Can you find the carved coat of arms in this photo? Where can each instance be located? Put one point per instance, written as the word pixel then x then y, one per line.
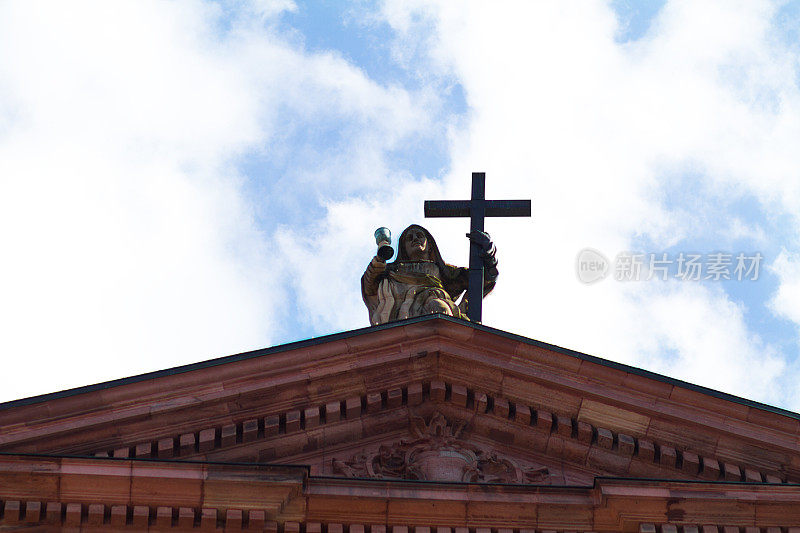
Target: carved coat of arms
pixel 436 453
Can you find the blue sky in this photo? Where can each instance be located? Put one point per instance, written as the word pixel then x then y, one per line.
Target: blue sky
pixel 186 180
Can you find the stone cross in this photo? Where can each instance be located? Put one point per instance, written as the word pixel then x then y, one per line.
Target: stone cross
pixel 476 209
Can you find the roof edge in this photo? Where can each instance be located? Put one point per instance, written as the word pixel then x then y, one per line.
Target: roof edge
pixel 314 341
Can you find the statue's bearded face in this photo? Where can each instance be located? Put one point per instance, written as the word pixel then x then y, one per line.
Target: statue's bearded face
pixel 416 244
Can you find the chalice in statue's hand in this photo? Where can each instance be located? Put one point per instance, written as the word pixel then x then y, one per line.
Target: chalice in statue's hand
pixel 383 238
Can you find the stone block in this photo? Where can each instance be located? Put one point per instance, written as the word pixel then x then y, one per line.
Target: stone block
pixel 585 433
pixel 311 417
pixel 626 444
pixel 333 412
pixel 438 391
pixel 73 514
pixel 121 453
pixel 293 421
pixel 647 451
pixel 544 420
pixel 119 515
pixel 140 517
pixel 711 469
pixel 374 402
pixel 95 514
pixel 458 395
pixel 394 398
pixel 53 512
pixel 751 475
pixel 732 472
pixel 564 426
pixel 233 519
pixel 256 519
pixel 352 408
pixel 186 517
pixel 11 511
pixel 691 463
pixel 272 426
pixel 186 442
pixel 523 415
pixel 228 435
pixel 143 450
pixel 250 430
pixel 208 519
pixel 667 456
pixel 605 439
pixel 501 407
pixel 33 512
pixel 414 396
pixel 166 448
pixel 164 517
pixel 205 440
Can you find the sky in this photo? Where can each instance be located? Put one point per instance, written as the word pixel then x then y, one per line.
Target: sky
pixel 185 180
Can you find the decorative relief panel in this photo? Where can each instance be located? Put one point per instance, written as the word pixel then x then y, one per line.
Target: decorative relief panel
pixel 435 452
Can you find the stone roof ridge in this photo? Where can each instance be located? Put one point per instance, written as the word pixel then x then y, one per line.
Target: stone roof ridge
pixel 349 340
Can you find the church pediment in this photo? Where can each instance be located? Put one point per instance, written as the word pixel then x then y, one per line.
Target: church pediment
pixel 488 440
pixel 535 406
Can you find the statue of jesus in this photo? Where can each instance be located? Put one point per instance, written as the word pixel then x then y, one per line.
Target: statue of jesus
pixel 419 282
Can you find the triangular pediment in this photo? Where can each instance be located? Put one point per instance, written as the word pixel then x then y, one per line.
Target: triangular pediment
pixel 325 402
pixel 518 445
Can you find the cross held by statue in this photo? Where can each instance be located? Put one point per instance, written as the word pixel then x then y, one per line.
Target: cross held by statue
pixel 477 208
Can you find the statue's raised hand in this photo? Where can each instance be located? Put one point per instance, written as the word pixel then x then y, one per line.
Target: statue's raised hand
pixel 482 239
pixel 488 251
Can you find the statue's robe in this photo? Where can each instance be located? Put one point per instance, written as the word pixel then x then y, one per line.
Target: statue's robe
pixel 407 288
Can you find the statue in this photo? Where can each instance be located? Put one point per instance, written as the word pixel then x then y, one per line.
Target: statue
pixel 419 282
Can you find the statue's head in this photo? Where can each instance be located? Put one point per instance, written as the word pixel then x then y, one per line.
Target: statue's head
pixel 416 244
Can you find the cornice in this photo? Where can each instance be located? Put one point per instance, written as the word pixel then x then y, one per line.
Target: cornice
pixel 105 494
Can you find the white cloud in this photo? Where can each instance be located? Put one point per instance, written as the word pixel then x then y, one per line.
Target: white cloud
pixel 129 242
pixel 786 301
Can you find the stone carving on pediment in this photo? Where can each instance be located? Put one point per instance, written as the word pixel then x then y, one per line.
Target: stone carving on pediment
pixel 435 452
